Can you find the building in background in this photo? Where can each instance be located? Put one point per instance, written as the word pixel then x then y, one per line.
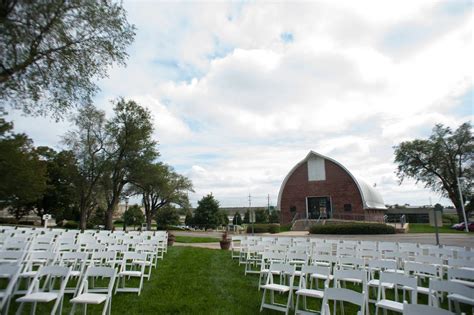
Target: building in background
pixel 319 187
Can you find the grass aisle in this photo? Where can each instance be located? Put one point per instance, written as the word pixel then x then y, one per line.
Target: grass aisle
pixel 194 281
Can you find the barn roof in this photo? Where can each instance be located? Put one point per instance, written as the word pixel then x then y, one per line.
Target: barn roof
pixel 371 199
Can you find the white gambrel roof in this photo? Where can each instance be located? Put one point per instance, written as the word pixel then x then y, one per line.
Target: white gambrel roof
pixel 371 199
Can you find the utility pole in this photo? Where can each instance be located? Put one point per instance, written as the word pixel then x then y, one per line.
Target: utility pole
pixel 268 203
pixel 250 211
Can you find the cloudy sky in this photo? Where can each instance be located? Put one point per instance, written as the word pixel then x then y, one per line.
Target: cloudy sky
pixel 242 91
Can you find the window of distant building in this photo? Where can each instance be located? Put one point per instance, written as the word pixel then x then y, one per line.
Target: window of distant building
pixel 348 207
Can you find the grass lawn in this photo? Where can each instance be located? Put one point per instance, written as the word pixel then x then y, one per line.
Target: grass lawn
pixel 192 239
pixel 192 281
pixel 426 228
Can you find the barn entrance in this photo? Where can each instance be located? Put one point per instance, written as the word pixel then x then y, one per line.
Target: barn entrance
pixel 318 207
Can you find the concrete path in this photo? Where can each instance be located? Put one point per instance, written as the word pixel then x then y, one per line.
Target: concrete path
pixel 455 239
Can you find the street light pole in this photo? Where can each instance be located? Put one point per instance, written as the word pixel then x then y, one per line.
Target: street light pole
pixel 466 228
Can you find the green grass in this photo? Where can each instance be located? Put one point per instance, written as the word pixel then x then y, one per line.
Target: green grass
pixel 193 281
pixel 192 239
pixel 426 228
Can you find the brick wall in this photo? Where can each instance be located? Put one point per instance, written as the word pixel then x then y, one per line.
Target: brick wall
pixel 338 185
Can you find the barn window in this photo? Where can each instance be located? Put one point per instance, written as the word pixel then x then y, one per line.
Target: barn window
pixel 348 207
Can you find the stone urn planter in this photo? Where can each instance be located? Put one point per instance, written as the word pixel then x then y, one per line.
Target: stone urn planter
pixel 225 242
pixel 171 239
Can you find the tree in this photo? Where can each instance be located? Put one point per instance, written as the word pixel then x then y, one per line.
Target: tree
pixel 439 161
pixel 53 52
pixel 224 219
pixel 247 217
pixel 129 147
pixel 274 216
pixel 188 220
pixel 261 216
pixel 160 186
pixel 87 143
pixel 59 198
pixel 22 175
pixel 167 216
pixel 133 216
pixel 207 213
pixel 237 220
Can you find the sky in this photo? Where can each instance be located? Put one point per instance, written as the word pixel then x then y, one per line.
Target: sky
pixel 241 91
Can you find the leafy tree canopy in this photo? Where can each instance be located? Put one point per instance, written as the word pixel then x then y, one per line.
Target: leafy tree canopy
pixel 237 220
pixel 133 216
pixel 51 52
pixel 207 213
pixel 439 160
pixel 167 216
pixel 22 174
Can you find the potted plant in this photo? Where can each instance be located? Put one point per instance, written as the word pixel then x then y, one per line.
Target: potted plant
pixel 225 241
pixel 171 238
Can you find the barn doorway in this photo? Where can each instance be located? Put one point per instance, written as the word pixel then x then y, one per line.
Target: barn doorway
pixel 318 208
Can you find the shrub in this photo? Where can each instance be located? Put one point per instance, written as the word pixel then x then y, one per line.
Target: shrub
pixel 119 221
pixel 71 225
pixel 450 219
pixel 352 228
pixel 264 228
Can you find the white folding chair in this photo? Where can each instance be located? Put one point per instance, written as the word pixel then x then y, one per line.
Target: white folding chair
pixel 417 309
pixel 76 261
pixel 133 266
pixel 282 271
pixel 269 258
pixel 8 272
pixel 462 275
pixel 398 280
pixel 343 295
pixel 33 262
pixel 43 293
pixel 85 294
pixel 456 292
pixel 305 289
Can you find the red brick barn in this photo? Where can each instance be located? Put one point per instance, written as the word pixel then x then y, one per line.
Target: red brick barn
pixel 319 187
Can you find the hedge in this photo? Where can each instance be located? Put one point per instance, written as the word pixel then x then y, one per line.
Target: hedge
pixel 264 228
pixel 71 225
pixel 352 228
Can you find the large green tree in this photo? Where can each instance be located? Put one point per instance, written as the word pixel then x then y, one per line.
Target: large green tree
pixel 439 160
pixel 160 186
pixel 22 174
pixel 207 214
pixel 53 52
pixel 167 216
pixel 129 148
pixel 87 142
pixel 60 196
pixel 133 216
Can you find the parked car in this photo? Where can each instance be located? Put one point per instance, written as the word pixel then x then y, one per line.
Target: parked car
pixel 461 226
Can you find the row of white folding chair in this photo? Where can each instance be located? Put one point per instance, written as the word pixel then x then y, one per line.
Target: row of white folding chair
pixel 44 292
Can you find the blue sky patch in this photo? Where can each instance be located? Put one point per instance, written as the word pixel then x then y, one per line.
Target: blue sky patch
pixel 287 37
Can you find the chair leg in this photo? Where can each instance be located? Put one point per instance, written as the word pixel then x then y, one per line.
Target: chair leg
pixel 73 309
pixel 263 299
pixel 33 309
pixel 20 308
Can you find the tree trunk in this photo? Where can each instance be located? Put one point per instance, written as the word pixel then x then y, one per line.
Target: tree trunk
pixel 148 222
pixel 109 215
pixel 83 220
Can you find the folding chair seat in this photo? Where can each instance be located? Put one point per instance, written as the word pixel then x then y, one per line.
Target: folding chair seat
pixel 416 309
pixel 235 246
pixel 305 288
pixel 323 260
pixel 149 262
pixel 422 271
pixel 462 276
pixel 43 293
pixel 9 273
pixel 399 281
pixel 282 271
pixel 343 295
pixel 378 266
pixel 350 263
pixel 105 259
pixel 456 293
pixel 254 258
pixel 33 262
pixel 131 268
pixel 86 293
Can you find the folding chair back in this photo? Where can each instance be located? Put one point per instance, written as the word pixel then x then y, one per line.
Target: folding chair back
pixel 343 295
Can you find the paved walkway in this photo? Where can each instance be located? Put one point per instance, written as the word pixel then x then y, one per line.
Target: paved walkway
pixel 423 238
